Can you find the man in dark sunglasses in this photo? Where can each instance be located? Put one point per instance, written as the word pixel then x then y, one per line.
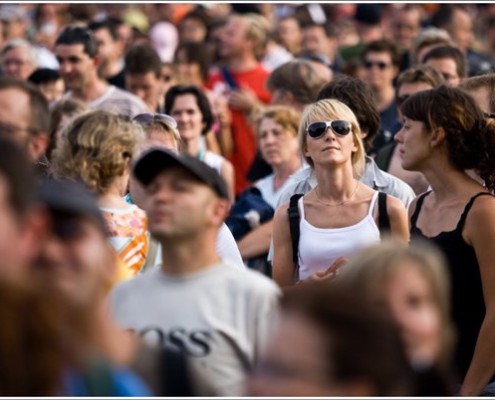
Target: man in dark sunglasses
pixel 380 61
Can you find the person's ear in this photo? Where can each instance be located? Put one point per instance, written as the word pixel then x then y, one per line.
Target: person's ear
pixel 437 136
pixel 38 145
pixel 96 61
pixel 220 211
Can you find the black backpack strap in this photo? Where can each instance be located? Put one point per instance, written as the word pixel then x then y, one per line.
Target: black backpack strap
pixel 294 219
pixel 383 219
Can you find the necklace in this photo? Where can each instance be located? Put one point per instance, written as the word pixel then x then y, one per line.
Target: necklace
pixel 340 203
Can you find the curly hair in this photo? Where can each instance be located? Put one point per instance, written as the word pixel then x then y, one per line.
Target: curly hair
pixel 97 149
pixel 469 136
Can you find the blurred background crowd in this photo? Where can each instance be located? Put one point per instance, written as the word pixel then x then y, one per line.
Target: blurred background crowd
pixel 222 199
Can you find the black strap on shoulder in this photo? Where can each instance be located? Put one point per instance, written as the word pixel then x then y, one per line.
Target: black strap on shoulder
pixel 294 219
pixel 383 218
pixel 462 220
pixel 419 204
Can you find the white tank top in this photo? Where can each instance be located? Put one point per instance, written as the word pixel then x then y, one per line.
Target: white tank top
pixel 320 247
pixel 214 160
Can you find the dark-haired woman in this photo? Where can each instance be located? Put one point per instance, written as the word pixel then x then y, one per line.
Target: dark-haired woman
pixel 190 107
pixel 444 134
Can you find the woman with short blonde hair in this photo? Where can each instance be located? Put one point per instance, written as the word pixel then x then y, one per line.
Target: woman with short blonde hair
pixel 338 216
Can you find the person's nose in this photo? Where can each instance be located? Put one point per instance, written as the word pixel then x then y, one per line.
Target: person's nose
pixel 399 136
pixel 64 67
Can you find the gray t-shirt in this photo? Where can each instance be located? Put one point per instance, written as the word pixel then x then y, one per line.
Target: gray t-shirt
pixel 219 317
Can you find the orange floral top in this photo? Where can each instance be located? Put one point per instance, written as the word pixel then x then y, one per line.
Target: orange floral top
pixel 128 235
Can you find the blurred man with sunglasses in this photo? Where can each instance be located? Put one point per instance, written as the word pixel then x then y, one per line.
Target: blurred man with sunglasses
pixel 380 61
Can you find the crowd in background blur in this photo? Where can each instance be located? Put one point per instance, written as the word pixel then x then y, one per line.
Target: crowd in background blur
pixel 246 199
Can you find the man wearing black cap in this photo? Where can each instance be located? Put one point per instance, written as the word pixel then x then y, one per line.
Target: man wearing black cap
pixel 75 256
pixel 196 303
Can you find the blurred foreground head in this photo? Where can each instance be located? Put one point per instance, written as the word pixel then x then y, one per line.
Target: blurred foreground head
pixel 330 343
pixel 19 224
pixel 75 257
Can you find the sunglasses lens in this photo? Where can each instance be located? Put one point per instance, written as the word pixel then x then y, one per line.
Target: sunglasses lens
pixel 316 129
pixel 341 128
pixel 143 119
pixel 167 119
pixel 147 119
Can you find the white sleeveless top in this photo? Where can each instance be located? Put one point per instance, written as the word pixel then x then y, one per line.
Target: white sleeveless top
pixel 214 160
pixel 320 247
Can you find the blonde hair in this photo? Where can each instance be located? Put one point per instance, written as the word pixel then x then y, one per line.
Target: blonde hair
pixel 96 148
pixel 285 116
pixel 257 30
pixel 164 129
pixel 369 270
pixel 331 109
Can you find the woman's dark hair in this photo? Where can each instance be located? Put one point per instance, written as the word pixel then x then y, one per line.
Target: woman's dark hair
pixel 470 137
pixel 359 97
pixel 201 100
pixel 196 53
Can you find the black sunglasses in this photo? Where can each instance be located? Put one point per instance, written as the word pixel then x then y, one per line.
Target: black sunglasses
pixel 148 118
pixel 318 129
pixel 380 64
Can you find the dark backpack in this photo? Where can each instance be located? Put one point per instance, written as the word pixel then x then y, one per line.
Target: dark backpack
pixel 294 219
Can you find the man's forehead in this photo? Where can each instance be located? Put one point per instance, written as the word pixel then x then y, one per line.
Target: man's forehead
pixel 379 54
pixel 18 50
pixel 75 49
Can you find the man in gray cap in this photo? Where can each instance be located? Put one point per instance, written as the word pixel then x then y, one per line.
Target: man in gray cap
pixel 217 315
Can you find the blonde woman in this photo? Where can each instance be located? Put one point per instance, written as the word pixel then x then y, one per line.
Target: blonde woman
pixel 97 149
pixel 340 215
pixel 276 131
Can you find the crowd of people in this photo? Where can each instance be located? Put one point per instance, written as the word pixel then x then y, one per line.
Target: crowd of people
pixel 247 199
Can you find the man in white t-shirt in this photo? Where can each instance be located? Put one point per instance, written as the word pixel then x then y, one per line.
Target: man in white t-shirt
pixel 219 316
pixel 76 50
